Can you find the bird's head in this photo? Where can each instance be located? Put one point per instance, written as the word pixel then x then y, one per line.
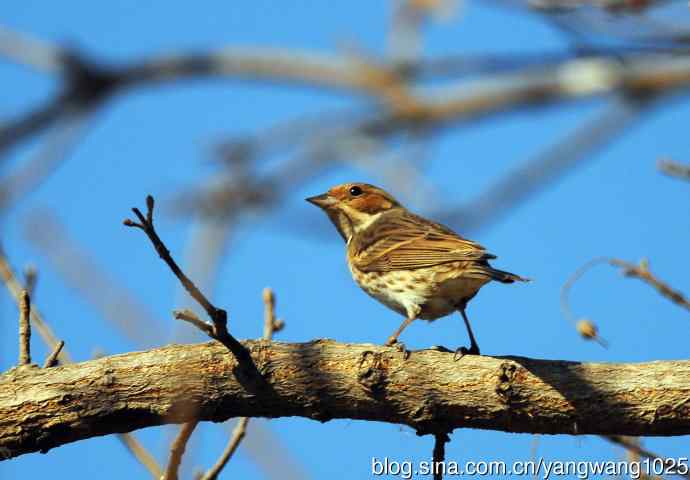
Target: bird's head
pixel 352 207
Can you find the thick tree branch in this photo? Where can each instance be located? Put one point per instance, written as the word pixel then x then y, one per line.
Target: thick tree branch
pixel 41 409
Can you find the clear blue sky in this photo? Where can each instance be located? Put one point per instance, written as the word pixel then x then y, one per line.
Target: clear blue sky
pixel 154 141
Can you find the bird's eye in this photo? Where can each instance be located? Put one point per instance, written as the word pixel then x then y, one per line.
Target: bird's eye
pixel 354 191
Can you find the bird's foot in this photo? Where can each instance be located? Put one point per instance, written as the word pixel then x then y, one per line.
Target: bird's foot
pixel 462 351
pixel 393 342
pixel 442 349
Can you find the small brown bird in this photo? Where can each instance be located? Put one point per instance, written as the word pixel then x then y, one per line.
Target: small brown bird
pixel 419 268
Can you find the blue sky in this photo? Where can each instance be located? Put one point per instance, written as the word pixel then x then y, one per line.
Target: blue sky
pixel 156 141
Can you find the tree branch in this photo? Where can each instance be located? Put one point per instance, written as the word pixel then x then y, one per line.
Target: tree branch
pixel 177 450
pixel 238 434
pixel 52 359
pixel 674 169
pixel 218 316
pixel 24 328
pixel 323 380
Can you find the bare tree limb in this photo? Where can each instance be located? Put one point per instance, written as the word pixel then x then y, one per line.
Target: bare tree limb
pixel 86 84
pixel 324 380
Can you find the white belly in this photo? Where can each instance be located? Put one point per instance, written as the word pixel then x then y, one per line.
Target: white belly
pixel 420 293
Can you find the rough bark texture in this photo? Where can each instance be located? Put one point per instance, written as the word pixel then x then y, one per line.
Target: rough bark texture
pixel 322 380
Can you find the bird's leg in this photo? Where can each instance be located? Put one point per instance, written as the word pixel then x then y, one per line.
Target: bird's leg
pixel 474 348
pixel 393 339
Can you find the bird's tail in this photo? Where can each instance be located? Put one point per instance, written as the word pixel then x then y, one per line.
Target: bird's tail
pixel 506 277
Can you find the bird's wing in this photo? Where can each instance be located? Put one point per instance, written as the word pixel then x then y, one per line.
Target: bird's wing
pixel 409 242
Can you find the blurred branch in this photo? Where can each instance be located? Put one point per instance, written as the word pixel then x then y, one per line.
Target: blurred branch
pixel 633 6
pixel 177 450
pixel 234 442
pixel 116 303
pixel 30 51
pixel 87 84
pixel 586 327
pixel 61 140
pixel 559 158
pixel 674 169
pixel 324 380
pixel 642 272
pixel 140 453
pixel 630 445
pixel 30 279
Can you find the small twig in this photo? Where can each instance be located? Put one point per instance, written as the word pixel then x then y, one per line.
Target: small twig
pixel 30 279
pixel 177 450
pixel 218 316
pixel 439 455
pixel 234 442
pixel 141 454
pixel 24 328
pixel 635 448
pixel 52 359
pixel 674 169
pixel 14 286
pixel 271 324
pixel 642 272
pixel 585 327
pixel 187 315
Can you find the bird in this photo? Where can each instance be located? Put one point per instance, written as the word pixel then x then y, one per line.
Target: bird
pixel 418 268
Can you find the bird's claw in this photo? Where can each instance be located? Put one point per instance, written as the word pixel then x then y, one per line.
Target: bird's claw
pixel 392 342
pixel 401 348
pixel 462 351
pixel 442 349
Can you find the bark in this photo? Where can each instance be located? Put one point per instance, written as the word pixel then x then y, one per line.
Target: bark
pixel 43 408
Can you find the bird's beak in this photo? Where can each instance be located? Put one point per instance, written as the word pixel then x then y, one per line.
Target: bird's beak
pixel 322 201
